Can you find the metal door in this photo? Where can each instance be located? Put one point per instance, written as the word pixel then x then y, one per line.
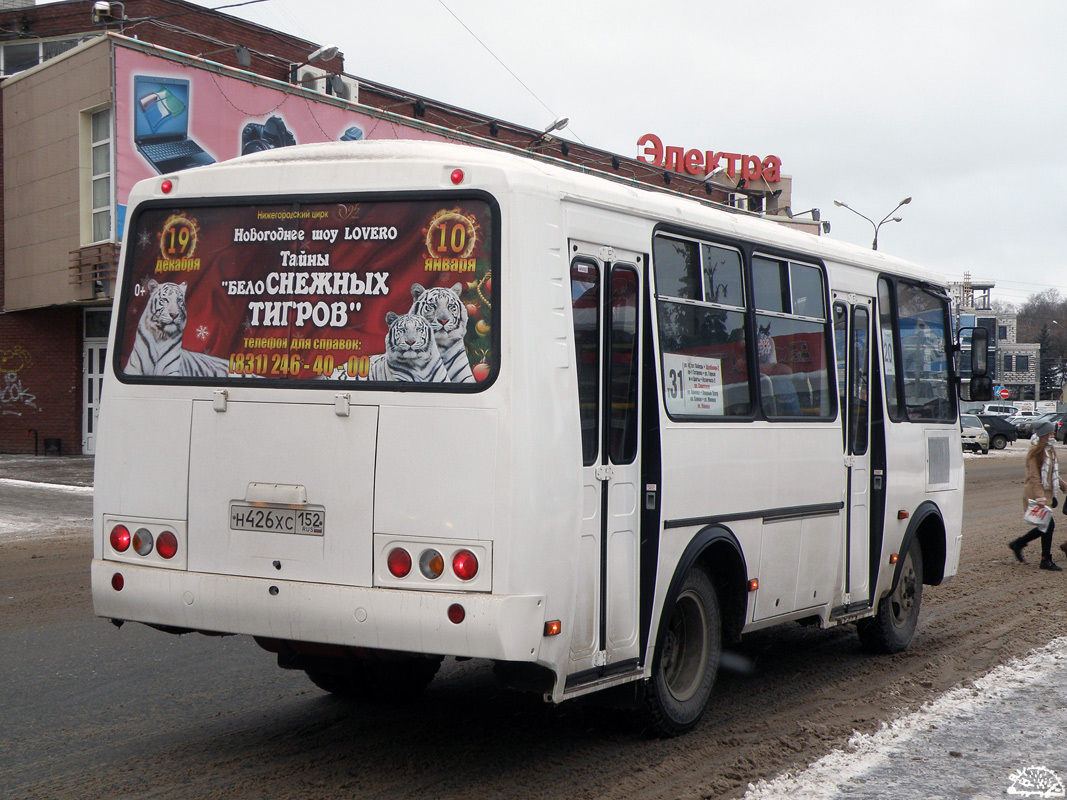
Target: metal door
pixel 606 301
pixel 852 334
pixel 94 358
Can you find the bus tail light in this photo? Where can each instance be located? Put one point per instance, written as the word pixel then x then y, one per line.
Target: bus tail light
pixel 431 564
pixel 167 544
pixel 143 541
pixel 146 542
pixel 399 562
pixel 120 538
pixel 465 565
pixel 456 613
pixel 117 581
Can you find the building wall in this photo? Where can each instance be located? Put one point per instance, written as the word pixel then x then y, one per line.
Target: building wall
pixel 40 379
pixel 176 24
pixel 43 175
pixel 1023 381
pixel 41 347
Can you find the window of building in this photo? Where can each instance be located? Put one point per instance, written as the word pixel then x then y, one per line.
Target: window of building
pixel 1007 363
pixel 18 56
pixel 1022 363
pixel 1002 332
pixel 101 175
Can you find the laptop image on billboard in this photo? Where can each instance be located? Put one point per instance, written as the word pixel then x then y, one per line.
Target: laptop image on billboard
pixel 161 124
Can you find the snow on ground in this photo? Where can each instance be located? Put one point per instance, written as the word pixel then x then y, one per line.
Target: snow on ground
pixel 1000 735
pixel 31 508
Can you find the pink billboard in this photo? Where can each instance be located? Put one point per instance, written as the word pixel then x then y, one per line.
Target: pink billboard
pixel 171 116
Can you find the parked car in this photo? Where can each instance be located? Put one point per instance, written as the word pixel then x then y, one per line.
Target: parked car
pixel 973 434
pixel 1025 424
pixel 1061 429
pixel 1000 409
pixel 999 429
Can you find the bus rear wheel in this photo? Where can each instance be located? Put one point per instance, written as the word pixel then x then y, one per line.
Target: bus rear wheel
pixel 892 628
pixel 685 668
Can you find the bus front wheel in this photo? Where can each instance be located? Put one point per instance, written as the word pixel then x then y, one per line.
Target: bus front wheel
pixel 891 629
pixel 678 691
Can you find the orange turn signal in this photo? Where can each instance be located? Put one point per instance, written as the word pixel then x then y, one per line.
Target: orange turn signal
pixel 553 627
pixel 753 584
pixel 893 558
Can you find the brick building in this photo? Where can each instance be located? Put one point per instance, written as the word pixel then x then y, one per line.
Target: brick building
pixel 85 85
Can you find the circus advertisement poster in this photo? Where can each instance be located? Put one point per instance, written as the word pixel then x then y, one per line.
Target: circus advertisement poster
pixel 385 292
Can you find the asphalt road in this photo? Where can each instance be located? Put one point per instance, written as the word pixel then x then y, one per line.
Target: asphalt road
pixel 88 710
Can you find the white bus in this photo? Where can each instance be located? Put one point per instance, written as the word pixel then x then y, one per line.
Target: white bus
pixel 375 404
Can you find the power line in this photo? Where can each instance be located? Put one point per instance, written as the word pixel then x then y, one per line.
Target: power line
pixel 505 66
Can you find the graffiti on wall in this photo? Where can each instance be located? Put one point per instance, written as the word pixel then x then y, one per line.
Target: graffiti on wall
pixel 14 397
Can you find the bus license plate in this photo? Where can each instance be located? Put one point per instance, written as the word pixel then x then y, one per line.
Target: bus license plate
pixel 309 521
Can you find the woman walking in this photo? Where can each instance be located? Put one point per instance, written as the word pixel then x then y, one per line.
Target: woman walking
pixel 1042 481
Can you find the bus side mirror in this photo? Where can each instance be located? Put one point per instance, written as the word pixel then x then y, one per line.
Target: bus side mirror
pixel 981 388
pixel 981 385
pixel 979 352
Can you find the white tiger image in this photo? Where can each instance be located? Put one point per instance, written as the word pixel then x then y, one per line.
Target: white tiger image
pixel 411 353
pixel 158 350
pixel 447 315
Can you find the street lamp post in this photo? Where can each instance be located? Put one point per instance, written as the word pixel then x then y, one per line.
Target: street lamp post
pixel 877 225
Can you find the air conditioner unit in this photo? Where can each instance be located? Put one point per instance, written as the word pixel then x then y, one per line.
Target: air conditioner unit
pixel 329 83
pixel 343 88
pixel 313 78
pixel 738 201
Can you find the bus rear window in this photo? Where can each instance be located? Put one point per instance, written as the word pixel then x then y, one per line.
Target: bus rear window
pixel 388 293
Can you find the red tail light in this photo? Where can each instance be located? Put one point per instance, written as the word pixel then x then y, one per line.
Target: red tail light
pixel 456 613
pixel 167 544
pixel 117 581
pixel 465 565
pixel 399 562
pixel 120 538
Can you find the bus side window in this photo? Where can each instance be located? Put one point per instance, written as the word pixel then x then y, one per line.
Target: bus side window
pixel 701 319
pixel 791 329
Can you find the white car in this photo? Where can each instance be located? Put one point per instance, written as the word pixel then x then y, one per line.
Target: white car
pixel 1000 409
pixel 973 434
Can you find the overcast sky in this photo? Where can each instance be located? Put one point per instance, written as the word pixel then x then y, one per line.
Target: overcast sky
pixel 959 104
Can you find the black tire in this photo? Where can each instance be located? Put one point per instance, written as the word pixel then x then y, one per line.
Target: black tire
pixel 891 629
pixel 393 681
pixel 985 451
pixel 685 668
pixel 999 442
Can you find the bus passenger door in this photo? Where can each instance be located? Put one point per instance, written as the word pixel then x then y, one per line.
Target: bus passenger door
pixel 852 335
pixel 606 297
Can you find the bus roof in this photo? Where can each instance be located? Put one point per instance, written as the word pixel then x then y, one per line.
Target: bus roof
pixel 582 184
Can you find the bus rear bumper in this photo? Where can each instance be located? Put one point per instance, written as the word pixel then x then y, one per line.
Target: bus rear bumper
pixel 504 627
